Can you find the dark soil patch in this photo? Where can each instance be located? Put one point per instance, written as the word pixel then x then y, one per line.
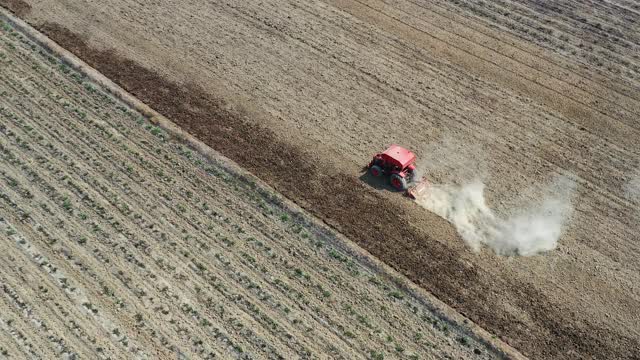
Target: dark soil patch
pixel 18 7
pixel 360 213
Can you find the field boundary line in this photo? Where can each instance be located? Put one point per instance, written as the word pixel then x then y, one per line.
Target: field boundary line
pixel 337 239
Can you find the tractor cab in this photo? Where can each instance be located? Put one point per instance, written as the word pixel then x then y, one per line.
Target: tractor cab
pixel 396 162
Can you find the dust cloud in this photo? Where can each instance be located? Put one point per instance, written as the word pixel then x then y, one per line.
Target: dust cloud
pixel 632 188
pixel 531 228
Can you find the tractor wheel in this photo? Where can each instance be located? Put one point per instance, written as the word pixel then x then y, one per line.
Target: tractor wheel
pixel 398 182
pixel 375 170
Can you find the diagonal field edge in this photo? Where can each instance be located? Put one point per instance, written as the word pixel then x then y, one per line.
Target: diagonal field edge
pixel 338 239
pixel 341 200
pixel 431 259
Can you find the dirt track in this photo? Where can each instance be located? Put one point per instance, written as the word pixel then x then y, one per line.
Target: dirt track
pixel 344 78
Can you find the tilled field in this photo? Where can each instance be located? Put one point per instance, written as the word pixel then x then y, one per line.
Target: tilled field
pixel 302 93
pixel 118 242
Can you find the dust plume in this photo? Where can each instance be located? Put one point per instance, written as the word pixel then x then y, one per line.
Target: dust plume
pixel 531 228
pixel 632 188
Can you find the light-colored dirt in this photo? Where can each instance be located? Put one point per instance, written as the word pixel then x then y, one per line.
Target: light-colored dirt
pixel 346 77
pixel 120 242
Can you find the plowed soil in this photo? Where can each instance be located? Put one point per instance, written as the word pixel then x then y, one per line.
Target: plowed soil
pixel 120 242
pixel 302 94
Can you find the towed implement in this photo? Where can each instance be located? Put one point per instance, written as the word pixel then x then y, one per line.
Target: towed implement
pixel 399 164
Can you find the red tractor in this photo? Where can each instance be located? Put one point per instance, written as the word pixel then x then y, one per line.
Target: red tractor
pixel 399 164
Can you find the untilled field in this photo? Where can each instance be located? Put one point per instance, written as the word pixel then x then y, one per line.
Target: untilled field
pixel 118 242
pixel 302 93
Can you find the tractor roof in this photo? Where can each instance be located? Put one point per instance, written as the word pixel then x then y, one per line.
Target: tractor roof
pixel 399 156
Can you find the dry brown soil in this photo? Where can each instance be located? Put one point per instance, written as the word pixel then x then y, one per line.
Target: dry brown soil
pixel 118 242
pixel 302 93
pixel 17 7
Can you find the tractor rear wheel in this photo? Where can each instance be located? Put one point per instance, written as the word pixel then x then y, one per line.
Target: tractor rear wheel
pixel 375 170
pixel 398 182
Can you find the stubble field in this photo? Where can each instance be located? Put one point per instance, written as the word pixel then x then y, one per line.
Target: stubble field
pixel 119 241
pixel 301 94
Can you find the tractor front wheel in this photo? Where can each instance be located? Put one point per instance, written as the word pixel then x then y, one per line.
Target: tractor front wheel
pixel 375 170
pixel 398 182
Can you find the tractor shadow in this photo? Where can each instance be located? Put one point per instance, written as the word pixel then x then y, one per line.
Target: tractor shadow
pixel 378 183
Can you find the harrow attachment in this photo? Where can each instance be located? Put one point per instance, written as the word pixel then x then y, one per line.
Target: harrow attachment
pixel 418 189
